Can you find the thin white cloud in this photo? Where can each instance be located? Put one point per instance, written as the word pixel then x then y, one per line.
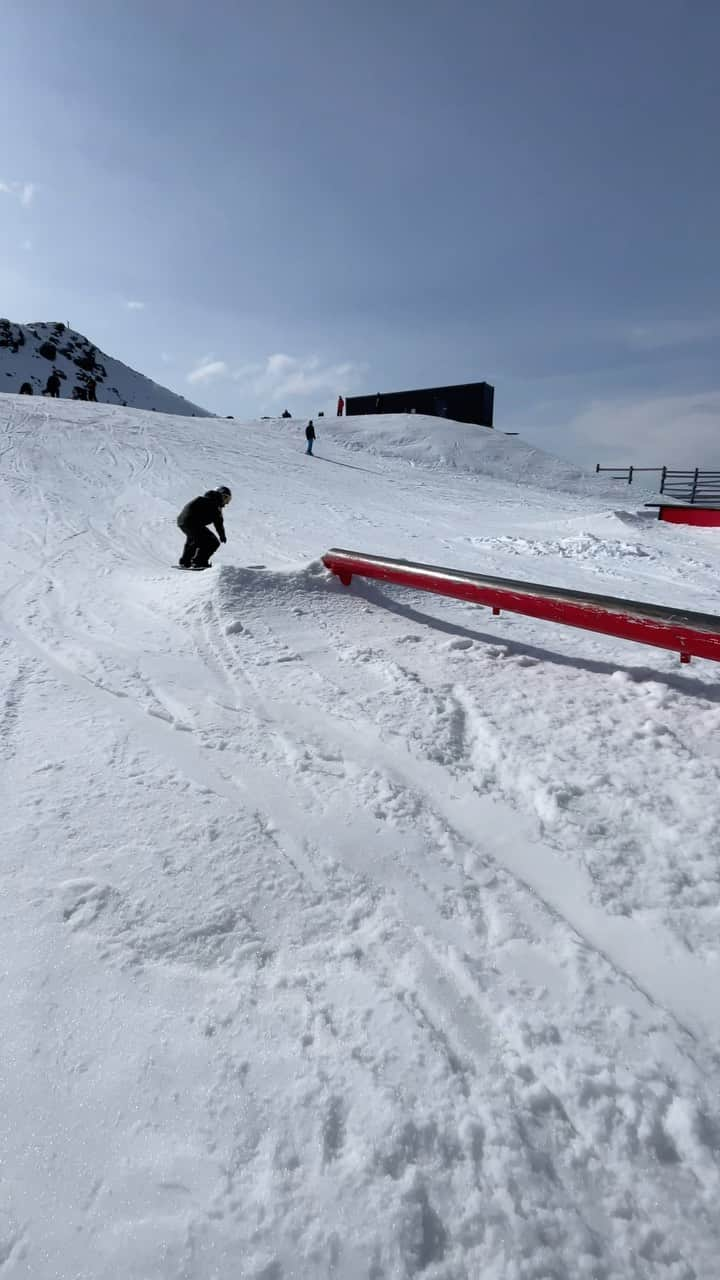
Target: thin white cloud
pixel 135 306
pixel 23 191
pixel 283 376
pixel 654 335
pixel 672 430
pixel 207 369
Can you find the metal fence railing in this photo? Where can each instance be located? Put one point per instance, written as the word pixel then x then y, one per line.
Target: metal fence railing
pixel 694 486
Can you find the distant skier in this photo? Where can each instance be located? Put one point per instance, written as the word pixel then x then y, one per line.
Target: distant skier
pixel 200 543
pixel 26 389
pixel 310 437
pixel 286 414
pixel 340 406
pixel 52 386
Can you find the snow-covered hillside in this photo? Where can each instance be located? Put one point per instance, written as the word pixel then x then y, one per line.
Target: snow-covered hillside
pixel 31 353
pixel 346 933
pixel 443 445
pixel 458 446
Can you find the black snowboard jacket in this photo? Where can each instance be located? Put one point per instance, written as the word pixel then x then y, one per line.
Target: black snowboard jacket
pixel 309 431
pixel 203 511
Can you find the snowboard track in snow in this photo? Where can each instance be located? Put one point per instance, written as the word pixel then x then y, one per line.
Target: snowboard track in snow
pixel 335 950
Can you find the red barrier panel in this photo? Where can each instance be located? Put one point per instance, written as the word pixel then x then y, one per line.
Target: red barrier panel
pixel 690 634
pixel 709 517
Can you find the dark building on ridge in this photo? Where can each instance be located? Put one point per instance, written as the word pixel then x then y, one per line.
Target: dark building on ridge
pixel 469 402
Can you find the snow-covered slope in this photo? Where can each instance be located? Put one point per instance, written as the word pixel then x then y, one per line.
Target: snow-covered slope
pixel 346 933
pixel 459 446
pixel 443 445
pixel 31 353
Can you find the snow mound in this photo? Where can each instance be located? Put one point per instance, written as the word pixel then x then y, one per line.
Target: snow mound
pixel 31 353
pixel 579 546
pixel 461 447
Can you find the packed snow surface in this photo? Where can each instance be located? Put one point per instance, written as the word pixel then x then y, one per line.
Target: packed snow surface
pixel 347 933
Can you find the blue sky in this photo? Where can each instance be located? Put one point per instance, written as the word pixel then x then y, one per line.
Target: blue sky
pixel 303 198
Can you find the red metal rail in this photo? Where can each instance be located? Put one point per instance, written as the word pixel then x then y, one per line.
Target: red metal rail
pixel 690 634
pixel 699 514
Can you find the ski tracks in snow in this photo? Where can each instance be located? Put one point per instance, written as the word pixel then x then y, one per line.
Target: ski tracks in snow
pixel 403 771
pixel 336 964
pixel 473 906
pixel 415 949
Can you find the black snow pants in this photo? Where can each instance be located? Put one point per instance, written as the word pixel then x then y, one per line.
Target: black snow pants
pixel 200 545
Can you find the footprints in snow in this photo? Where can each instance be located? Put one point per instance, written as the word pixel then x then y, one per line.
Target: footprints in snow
pixel 211 935
pixel 333 1131
pixel 10 710
pixel 82 901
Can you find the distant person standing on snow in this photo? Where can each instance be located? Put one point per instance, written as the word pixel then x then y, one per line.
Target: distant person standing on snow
pixel 52 386
pixel 26 389
pixel 92 390
pixel 200 543
pixel 309 436
pixel 340 407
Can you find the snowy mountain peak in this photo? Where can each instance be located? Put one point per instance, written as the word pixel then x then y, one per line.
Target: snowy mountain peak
pixel 49 358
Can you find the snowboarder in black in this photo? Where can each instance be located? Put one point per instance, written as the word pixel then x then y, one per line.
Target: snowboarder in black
pixel 194 518
pixel 309 436
pixel 52 386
